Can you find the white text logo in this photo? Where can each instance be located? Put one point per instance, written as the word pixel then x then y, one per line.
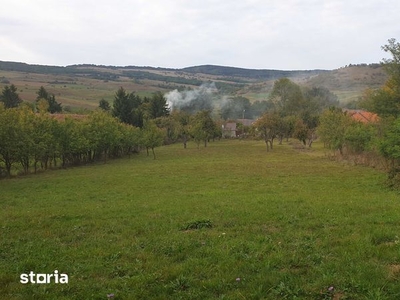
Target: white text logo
pixel 43 278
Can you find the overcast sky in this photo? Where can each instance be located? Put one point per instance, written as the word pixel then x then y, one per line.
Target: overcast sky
pixel 258 34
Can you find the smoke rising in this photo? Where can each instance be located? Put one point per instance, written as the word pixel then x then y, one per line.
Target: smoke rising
pixel 207 97
pixel 203 97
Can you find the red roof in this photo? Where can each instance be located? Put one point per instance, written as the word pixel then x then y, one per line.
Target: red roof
pixel 362 116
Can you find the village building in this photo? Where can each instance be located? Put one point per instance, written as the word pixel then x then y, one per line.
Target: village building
pixel 362 116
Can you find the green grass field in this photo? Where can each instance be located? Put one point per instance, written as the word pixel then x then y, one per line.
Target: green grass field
pixel 229 221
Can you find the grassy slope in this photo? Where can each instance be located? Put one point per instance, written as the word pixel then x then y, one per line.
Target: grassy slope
pixel 286 223
pixel 79 93
pixel 347 83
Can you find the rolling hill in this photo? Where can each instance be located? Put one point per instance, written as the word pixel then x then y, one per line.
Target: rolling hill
pixel 82 86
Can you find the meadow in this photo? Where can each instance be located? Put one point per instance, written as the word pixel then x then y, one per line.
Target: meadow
pixel 230 221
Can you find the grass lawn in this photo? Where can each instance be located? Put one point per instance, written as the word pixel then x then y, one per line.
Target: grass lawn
pixel 229 221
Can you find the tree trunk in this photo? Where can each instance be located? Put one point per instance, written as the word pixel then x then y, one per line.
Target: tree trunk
pixel 184 141
pixel 8 164
pixel 154 154
pixel 267 144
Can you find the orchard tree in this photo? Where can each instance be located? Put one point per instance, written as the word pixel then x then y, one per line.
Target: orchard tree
pixel 10 97
pixel 152 137
pixel 10 132
pixel 182 121
pixel 103 133
pixel 26 148
pixel 202 127
pixel 130 138
pixel 268 126
pixel 44 140
pixel 72 141
pixel 332 128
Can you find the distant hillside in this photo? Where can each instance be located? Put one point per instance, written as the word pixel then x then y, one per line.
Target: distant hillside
pixel 350 82
pixel 84 85
pixel 351 77
pixel 250 73
pixel 96 71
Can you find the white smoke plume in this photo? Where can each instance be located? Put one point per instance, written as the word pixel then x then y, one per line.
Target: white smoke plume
pixel 207 97
pixel 196 99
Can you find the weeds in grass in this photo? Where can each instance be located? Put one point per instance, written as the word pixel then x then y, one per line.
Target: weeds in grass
pixel 199 224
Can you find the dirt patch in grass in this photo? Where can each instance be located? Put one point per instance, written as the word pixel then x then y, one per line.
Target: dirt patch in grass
pixel 394 270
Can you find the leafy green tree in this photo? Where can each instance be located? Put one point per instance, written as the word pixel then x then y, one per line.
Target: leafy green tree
pixel 44 140
pixel 268 126
pixel 25 150
pixel 392 65
pixel 72 141
pixel 358 137
pixel 10 97
pixel 386 100
pixel 182 127
pixel 104 133
pixel 389 148
pixel 287 97
pixel 202 127
pixel 152 137
pixel 301 131
pixel 130 138
pixel 332 128
pixel 10 131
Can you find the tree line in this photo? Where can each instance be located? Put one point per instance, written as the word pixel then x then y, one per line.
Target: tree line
pixel 307 114
pixel 34 137
pixel 371 141
pixel 293 111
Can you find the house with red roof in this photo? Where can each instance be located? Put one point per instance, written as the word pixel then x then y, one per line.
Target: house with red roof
pixel 362 115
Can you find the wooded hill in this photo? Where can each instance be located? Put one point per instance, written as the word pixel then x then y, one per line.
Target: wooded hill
pixel 83 86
